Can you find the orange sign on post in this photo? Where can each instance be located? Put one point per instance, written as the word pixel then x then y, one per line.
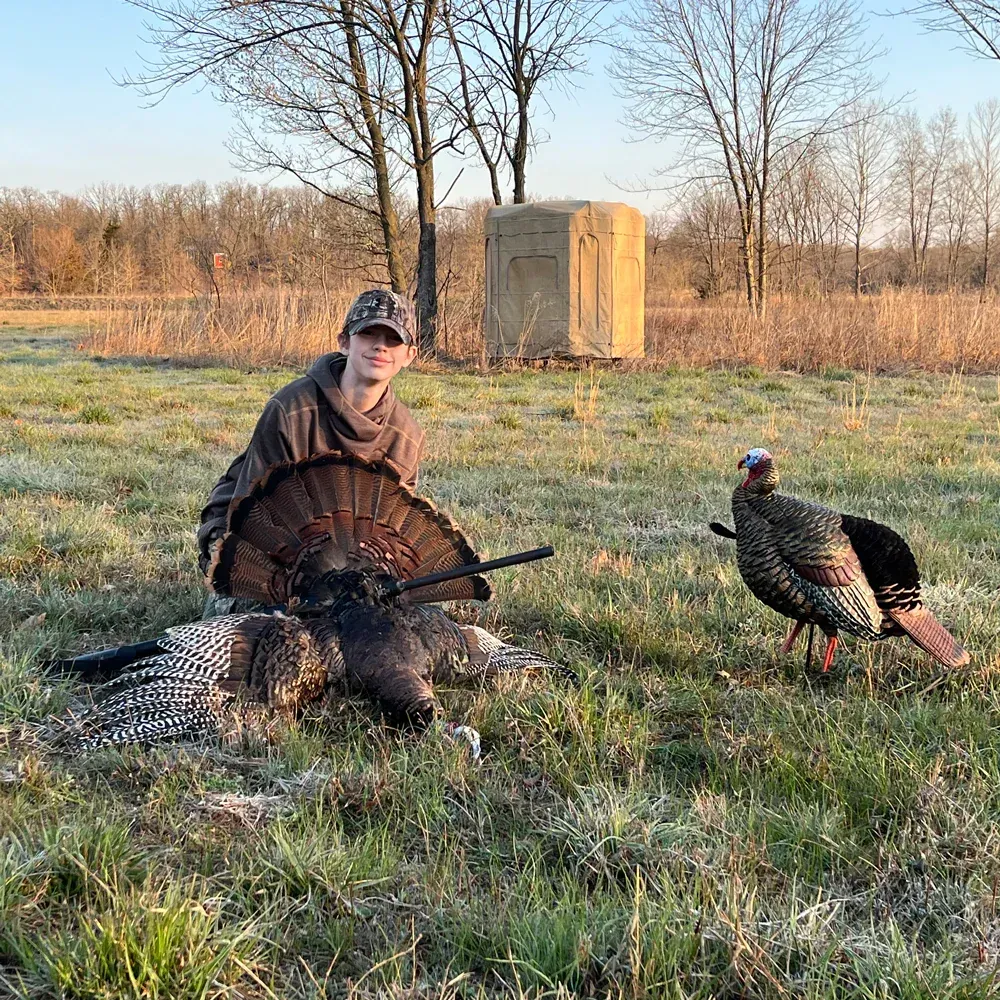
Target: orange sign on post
pixel 220 261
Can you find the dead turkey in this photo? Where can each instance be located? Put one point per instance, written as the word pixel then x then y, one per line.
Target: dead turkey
pixel 820 567
pixel 337 552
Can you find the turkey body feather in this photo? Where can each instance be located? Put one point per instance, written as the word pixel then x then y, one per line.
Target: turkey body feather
pixel 795 558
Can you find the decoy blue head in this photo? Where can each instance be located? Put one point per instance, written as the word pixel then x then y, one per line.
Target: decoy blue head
pixel 754 456
pixel 757 461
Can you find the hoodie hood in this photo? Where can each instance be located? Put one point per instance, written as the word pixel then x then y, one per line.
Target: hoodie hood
pixel 326 372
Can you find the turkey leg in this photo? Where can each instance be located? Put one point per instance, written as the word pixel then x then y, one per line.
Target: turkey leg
pixel 831 645
pixel 786 646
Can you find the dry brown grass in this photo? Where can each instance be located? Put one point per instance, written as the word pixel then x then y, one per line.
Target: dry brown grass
pixel 272 327
pixel 33 319
pixel 894 331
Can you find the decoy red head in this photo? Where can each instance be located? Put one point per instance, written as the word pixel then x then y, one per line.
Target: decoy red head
pixel 756 461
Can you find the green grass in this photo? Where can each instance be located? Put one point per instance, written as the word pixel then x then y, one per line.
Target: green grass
pixel 699 820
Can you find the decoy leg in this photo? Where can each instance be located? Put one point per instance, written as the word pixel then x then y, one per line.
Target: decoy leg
pixel 809 648
pixel 831 646
pixel 786 646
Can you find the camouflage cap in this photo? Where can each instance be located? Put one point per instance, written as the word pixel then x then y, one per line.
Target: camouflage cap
pixel 380 307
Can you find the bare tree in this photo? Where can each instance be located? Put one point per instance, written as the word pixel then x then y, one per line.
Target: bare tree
pixel 864 166
pixel 711 231
pixel 356 85
pixel 808 210
pixel 803 225
pixel 975 22
pixel 407 32
pixel 507 53
pixel 984 159
pixel 956 211
pixel 921 159
pixel 740 83
pixel 295 71
pixel 10 225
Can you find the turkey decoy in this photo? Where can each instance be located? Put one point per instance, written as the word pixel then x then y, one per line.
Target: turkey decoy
pixel 820 567
pixel 347 563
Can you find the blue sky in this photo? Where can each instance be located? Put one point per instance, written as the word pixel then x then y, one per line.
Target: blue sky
pixel 65 124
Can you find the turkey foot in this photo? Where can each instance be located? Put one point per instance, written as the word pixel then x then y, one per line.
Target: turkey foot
pixel 454 731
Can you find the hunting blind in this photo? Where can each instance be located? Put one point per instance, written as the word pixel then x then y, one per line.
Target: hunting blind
pixel 565 279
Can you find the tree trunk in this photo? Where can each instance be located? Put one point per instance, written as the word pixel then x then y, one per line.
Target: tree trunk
pixel 388 219
pixel 746 262
pixel 427 303
pixel 413 64
pixel 427 259
pixel 857 265
pixel 986 259
pixel 520 157
pixel 390 230
pixel 761 305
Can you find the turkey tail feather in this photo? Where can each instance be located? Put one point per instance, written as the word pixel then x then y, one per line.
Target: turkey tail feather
pixel 931 636
pixel 240 569
pixel 332 512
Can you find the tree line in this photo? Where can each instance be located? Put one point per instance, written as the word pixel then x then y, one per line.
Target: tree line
pixel 892 200
pixel 889 200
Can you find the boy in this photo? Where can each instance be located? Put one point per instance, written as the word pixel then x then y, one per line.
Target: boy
pixel 343 403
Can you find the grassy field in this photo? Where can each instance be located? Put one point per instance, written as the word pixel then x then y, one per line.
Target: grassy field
pixel 699 820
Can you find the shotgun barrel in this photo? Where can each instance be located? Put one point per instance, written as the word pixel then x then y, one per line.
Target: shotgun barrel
pixel 105 661
pixel 472 569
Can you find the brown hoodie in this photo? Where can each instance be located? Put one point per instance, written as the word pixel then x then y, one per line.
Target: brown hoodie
pixel 307 416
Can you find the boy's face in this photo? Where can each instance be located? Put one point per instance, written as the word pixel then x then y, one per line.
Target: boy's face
pixel 376 354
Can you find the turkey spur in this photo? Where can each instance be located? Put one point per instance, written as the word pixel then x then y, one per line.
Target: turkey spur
pixel 329 545
pixel 820 567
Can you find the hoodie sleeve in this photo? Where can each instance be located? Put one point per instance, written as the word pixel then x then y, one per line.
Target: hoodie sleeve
pixel 270 443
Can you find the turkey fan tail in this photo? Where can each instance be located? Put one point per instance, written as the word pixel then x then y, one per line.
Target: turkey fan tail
pixel 490 656
pixel 931 636
pixel 332 512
